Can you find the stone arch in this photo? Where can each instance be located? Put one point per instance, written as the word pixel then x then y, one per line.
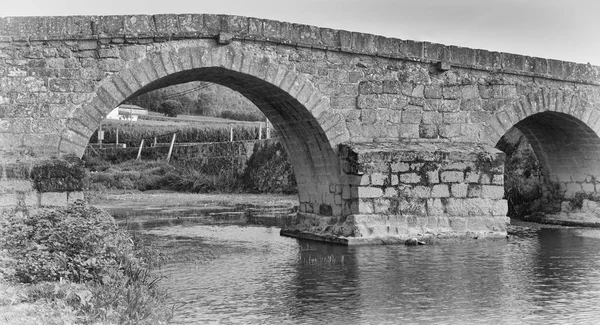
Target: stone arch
pixel 562 128
pixel 302 115
pixel 576 104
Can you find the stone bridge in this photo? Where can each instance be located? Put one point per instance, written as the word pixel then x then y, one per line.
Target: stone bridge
pixel 389 138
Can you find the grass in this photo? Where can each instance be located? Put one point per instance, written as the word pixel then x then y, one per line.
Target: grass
pixel 45 279
pixel 190 130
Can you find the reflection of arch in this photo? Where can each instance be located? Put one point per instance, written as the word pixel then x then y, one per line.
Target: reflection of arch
pixel 302 116
pixel 562 128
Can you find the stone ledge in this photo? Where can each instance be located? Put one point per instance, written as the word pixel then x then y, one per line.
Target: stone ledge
pixel 429 239
pixel 193 26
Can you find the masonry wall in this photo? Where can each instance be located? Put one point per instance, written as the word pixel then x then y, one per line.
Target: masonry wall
pixel 419 189
pixel 59 76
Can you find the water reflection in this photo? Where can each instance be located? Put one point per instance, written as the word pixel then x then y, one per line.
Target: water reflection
pixel 255 276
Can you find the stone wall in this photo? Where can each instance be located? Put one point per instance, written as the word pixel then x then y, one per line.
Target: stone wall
pixel 44 183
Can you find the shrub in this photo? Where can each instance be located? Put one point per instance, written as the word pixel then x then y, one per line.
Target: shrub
pixel 171 108
pixel 243 116
pixel 101 271
pixel 77 243
pixel 269 170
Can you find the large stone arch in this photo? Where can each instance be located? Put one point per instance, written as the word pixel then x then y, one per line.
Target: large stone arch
pixel 563 128
pixel 310 129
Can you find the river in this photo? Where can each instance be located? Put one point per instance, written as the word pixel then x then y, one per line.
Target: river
pixel 251 275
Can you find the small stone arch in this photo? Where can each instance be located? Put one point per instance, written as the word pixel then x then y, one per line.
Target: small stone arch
pixel 562 127
pixel 310 129
pixel 576 104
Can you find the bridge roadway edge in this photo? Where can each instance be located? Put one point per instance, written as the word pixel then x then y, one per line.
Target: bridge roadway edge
pixel 225 28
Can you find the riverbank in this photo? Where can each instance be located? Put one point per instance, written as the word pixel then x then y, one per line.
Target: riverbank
pixel 75 265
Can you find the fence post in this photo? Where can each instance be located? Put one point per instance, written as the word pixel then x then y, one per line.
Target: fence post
pixel 230 133
pixel 268 131
pixel 139 155
pixel 260 131
pixel 171 147
pixel 100 136
pixel 117 139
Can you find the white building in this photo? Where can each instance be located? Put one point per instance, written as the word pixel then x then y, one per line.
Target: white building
pixel 127 112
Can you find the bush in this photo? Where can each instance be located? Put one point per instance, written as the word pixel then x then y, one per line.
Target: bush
pixel 171 108
pixel 77 243
pixel 243 116
pixel 97 269
pixel 269 170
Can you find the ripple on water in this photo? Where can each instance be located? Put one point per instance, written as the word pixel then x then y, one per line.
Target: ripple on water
pixel 255 276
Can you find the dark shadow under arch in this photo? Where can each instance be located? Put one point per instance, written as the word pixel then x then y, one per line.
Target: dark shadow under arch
pixel 565 163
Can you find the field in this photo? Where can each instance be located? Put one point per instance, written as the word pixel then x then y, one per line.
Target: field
pixel 190 128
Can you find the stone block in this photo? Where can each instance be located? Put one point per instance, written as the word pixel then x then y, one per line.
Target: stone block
pixel 338 199
pixel 469 92
pixel 369 192
pixel 588 187
pixel 573 188
pixel 400 167
pixel 500 208
pixel 440 190
pixel 390 192
pixel 346 193
pixel 485 179
pixel 381 206
pixel 378 179
pixel 498 179
pixel 365 180
pixel 409 178
pixel 474 190
pixel 413 207
pixel 365 206
pixel 458 224
pixel 428 131
pixel 394 180
pixel 50 199
pixel 452 177
pixel 468 207
pixel 492 191
pixel 433 92
pixel 411 117
pixel 459 190
pixel 472 177
pixel 408 131
pixel 433 177
pixel 421 191
pixel 435 207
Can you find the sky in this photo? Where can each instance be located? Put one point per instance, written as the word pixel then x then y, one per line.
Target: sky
pixel 556 29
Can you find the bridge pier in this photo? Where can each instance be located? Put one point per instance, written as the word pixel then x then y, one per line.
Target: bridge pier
pixel 396 191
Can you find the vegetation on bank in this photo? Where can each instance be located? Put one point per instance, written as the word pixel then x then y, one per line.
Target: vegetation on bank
pixel 76 266
pixel 268 171
pixel 187 132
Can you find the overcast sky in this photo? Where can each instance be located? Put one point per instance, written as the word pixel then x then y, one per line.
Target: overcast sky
pixel 557 29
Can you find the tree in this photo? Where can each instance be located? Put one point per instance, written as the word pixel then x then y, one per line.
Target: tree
pixel 171 107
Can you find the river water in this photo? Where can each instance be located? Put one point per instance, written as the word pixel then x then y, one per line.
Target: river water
pixel 251 275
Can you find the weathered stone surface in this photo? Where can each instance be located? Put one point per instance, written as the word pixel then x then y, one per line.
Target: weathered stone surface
pixel 59 76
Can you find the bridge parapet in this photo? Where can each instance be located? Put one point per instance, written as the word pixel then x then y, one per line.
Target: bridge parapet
pixel 225 28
